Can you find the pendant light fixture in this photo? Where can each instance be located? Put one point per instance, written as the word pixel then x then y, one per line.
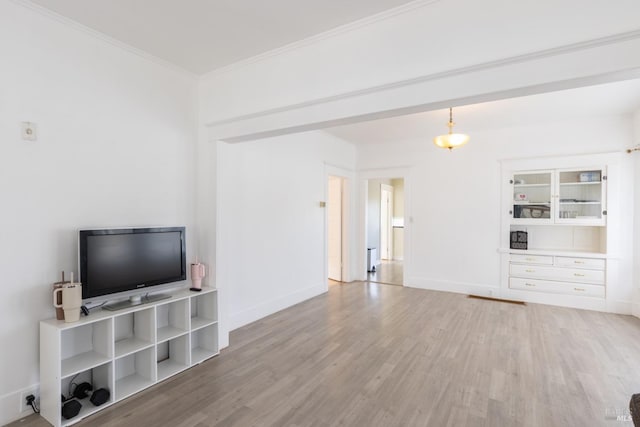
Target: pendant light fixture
pixel 451 140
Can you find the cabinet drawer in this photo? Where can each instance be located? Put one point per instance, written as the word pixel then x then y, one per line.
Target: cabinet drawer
pixel 558 273
pixel 532 259
pixel 557 287
pixel 592 263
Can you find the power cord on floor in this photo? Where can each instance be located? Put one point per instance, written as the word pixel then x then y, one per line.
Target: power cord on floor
pixel 31 400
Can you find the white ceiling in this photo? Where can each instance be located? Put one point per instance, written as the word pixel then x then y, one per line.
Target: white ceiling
pixel 607 99
pixel 202 35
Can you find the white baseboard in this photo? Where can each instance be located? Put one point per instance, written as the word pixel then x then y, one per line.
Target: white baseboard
pixel 620 307
pixel 597 304
pixel 558 300
pixel 451 286
pixel 635 309
pixel 11 406
pixel 257 312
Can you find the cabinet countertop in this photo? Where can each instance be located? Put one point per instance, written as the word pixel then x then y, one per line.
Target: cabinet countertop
pixel 559 252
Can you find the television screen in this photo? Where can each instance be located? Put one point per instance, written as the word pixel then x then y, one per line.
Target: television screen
pixel 127 259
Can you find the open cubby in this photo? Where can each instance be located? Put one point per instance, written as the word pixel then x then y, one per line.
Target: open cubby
pixel 86 346
pixel 204 343
pixel 204 310
pixel 125 351
pixel 172 319
pixel 99 377
pixel 135 372
pixel 172 356
pixel 133 331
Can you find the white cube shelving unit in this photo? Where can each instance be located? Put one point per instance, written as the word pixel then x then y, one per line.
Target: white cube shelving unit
pixel 172 319
pixel 134 331
pixel 134 372
pixel 204 343
pixel 125 351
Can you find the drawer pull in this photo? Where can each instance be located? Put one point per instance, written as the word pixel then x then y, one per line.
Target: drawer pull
pixel 530 271
pixel 579 289
pixel 578 262
pixel 578 274
pixel 530 284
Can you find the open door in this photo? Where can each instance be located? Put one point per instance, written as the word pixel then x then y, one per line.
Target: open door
pixel 334 220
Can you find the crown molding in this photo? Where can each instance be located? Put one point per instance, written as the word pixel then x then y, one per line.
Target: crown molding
pixel 518 59
pixel 334 32
pixel 101 36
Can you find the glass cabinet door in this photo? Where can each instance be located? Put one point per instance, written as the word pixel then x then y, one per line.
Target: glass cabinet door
pixel 532 197
pixel 581 196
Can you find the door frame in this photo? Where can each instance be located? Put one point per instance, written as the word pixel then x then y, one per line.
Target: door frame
pixel 339 182
pixel 401 172
pixel 348 221
pixel 387 227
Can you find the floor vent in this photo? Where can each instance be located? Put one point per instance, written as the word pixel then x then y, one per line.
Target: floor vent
pixel 510 301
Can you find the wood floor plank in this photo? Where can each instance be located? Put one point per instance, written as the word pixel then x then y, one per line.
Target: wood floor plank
pixel 369 354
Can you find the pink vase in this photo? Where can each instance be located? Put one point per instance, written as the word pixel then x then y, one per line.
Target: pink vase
pixel 197 273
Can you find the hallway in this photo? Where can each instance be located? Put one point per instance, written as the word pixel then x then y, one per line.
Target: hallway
pixel 387 272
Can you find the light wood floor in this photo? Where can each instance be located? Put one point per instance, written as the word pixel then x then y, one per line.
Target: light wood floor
pixel 387 272
pixel 379 355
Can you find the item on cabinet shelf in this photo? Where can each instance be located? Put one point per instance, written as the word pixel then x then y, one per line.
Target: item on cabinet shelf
pixel 519 239
pixel 71 409
pixel 571 214
pixel 532 211
pixel 98 397
pixel 198 272
pixel 72 406
pixel 71 300
pixel 56 285
pixel 519 182
pixel 592 176
pixel 521 197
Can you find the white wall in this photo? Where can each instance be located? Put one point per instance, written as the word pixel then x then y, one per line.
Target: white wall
pixel 116 148
pixel 271 242
pixel 455 208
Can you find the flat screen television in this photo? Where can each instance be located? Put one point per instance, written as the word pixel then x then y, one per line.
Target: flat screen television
pixel 126 259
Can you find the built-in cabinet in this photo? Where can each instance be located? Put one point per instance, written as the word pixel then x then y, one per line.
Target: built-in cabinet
pixel 557 274
pixel 562 207
pixel 125 351
pixel 571 196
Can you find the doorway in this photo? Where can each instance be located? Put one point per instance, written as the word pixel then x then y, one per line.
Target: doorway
pixel 386 215
pixel 385 231
pixel 335 218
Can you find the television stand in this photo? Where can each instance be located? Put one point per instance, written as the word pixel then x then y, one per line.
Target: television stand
pixel 125 351
pixel 134 301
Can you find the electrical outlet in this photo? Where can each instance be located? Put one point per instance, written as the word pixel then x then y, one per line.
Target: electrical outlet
pixel 25 408
pixel 29 131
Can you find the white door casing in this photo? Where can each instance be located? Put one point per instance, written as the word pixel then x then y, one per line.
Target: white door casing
pixel 386 213
pixel 334 224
